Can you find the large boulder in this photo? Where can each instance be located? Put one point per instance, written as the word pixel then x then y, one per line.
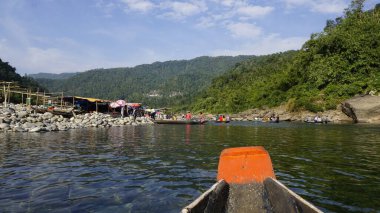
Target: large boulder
pixel 4 126
pixel 363 109
pixel 22 114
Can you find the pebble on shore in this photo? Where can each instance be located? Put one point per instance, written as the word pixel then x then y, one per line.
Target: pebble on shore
pixel 18 118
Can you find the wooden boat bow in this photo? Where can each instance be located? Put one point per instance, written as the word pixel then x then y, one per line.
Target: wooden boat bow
pixel 247 183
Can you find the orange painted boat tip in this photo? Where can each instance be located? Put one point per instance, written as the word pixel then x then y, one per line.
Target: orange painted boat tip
pixel 245 165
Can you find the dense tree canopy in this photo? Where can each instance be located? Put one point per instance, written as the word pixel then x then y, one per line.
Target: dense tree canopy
pixel 161 84
pixel 338 63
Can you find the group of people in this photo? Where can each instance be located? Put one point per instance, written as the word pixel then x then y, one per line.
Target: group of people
pixel 223 118
pixel 316 119
pixel 188 116
pixel 272 118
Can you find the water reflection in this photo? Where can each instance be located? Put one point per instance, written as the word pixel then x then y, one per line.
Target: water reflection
pixel 162 168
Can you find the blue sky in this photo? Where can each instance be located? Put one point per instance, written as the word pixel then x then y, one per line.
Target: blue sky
pixel 59 36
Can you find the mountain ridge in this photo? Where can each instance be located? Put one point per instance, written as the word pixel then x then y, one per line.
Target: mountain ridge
pixel 175 81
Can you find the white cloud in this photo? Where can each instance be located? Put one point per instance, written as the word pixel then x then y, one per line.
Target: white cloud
pixel 68 56
pixel 244 30
pixel 227 3
pixel 231 3
pixel 265 45
pixel 226 12
pixel 51 59
pixel 106 7
pixel 205 22
pixel 274 43
pixel 254 11
pixel 139 5
pixel 329 6
pixel 180 10
pixel 320 6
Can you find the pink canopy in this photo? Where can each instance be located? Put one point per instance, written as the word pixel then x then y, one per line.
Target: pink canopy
pixel 121 102
pixel 114 105
pixel 134 104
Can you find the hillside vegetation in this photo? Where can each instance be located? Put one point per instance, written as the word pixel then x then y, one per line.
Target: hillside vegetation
pixel 161 84
pixel 334 65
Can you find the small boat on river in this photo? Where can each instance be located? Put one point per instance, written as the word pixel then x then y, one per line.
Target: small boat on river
pixel 222 119
pixel 186 122
pixel 218 121
pixel 247 183
pixel 317 120
pixel 67 113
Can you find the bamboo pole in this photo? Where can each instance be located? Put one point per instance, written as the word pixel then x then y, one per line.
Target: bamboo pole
pixel 37 96
pixel 9 93
pixel 5 97
pixel 62 100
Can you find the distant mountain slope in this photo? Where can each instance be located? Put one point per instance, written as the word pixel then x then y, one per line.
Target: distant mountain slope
pixel 334 65
pixel 159 84
pixel 52 75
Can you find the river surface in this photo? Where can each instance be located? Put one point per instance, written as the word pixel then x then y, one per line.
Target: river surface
pixel 162 168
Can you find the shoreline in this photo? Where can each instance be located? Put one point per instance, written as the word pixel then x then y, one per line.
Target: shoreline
pixel 332 116
pixel 18 118
pixel 358 109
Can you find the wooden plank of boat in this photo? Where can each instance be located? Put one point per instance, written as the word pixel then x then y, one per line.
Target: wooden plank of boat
pixel 186 122
pixel 246 183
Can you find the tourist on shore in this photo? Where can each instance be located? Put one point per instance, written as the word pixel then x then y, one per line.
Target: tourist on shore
pixel 153 115
pixel 201 117
pixel 188 115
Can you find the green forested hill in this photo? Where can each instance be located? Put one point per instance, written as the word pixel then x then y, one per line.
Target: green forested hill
pixel 338 63
pixel 249 84
pixel 8 73
pixel 159 84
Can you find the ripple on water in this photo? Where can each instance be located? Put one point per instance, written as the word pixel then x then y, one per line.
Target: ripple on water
pixel 163 168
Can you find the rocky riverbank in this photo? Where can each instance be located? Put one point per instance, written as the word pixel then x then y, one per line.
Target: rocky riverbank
pixel 335 116
pixel 18 118
pixel 359 109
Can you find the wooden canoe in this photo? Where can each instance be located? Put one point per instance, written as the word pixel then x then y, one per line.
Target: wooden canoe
pixel 186 122
pixel 246 183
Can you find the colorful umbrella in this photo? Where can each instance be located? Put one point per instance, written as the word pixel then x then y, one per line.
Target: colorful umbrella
pixel 121 102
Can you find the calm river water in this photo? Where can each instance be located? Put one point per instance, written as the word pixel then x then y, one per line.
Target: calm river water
pixel 162 168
